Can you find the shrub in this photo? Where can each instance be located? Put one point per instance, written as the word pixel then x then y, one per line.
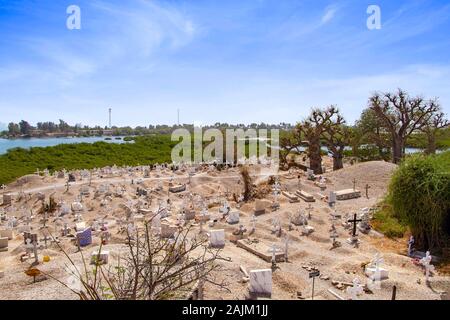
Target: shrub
pixel 419 194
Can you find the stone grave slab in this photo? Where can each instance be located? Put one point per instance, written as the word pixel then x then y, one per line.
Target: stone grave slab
pixel 347 194
pixel 260 249
pixel 307 197
pixel 291 197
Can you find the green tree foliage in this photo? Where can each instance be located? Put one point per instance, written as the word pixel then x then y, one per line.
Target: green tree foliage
pixel 146 150
pixel 419 194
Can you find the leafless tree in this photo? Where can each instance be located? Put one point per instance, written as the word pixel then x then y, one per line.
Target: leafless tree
pixel 402 115
pixel 154 268
pixel 435 123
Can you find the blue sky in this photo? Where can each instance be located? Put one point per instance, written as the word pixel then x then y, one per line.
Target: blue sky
pixel 230 61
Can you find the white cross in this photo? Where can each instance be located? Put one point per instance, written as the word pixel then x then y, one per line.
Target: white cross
pixel 426 262
pixel 273 250
pixel 309 208
pixel 253 220
pixel 287 241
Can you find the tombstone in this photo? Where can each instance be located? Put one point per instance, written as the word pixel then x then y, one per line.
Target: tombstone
pixel 225 209
pixel 177 188
pixel 65 231
pixel 332 199
pixel 156 221
pixel 261 282
pixel 310 175
pixel 31 243
pixel 364 225
pixel 98 258
pixel 356 290
pixel 260 206
pixel 217 238
pixel 80 226
pixel 84 238
pixel 233 217
pixel 426 263
pixel 168 230
pixel 307 230
pixel 299 219
pixel 3 244
pixel 7 233
pixel 374 271
pixel 12 222
pixel 77 206
pixel 276 227
pixel 7 199
pixel 239 233
pixel 84 190
pixel 65 209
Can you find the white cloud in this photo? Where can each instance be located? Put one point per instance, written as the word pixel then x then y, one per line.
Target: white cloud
pixel 329 14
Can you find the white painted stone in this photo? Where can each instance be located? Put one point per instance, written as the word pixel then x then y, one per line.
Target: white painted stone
pixel 372 273
pixel 261 281
pixel 233 217
pixel 80 226
pixel 332 197
pixel 217 238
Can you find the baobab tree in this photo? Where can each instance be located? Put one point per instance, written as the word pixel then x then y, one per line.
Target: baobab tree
pixel 435 123
pixel 372 130
pixel 289 141
pixel 313 128
pixel 337 137
pixel 402 115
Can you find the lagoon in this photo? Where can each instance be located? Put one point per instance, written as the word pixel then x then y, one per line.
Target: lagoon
pixel 25 143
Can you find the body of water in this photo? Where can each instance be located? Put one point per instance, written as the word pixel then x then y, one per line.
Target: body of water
pixel 6 144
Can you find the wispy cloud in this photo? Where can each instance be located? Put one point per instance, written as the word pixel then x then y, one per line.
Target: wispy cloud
pixel 329 14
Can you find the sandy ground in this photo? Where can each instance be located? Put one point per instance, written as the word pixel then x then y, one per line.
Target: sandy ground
pixel 341 264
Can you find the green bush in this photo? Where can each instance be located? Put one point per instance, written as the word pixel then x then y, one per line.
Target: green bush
pixel 146 150
pixel 386 223
pixel 419 194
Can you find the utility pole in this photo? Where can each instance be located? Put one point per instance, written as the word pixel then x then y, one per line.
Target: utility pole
pixel 178 117
pixel 110 117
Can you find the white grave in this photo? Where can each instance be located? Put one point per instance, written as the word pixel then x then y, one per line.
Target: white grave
pixel 233 217
pixel 217 238
pixel 261 281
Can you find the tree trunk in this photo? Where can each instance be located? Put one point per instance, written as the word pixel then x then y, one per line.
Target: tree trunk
pixel 431 148
pixel 315 159
pixel 338 161
pixel 397 149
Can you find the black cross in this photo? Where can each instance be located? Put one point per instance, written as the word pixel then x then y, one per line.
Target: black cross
pixel 354 221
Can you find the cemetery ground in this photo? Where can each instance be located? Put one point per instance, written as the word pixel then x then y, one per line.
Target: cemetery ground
pixel 115 200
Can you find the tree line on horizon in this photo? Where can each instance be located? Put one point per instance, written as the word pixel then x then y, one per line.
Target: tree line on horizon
pixel 25 129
